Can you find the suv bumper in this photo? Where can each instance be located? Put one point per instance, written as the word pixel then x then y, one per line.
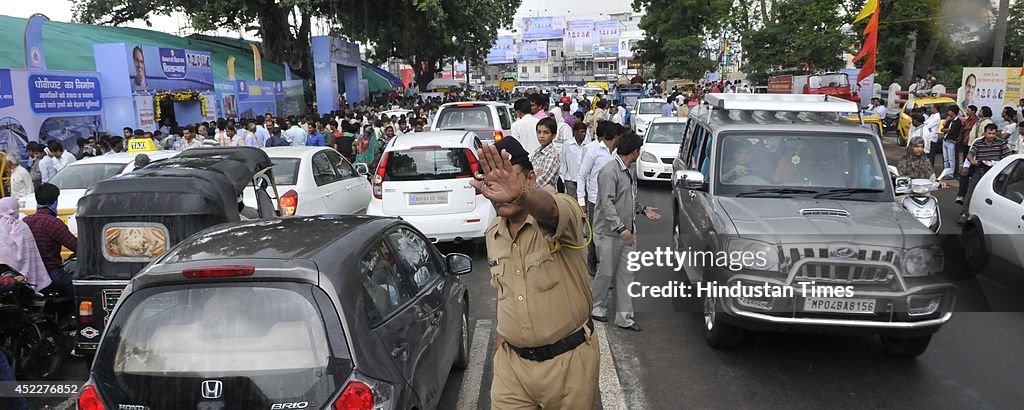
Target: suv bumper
pixel 899 309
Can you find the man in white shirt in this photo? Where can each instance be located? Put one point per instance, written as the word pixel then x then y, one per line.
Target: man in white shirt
pixel 932 125
pixel 616 115
pixel 295 134
pixel 572 157
pixel 877 108
pixel 188 140
pixel 524 129
pixel 55 161
pixel 21 180
pixel 595 156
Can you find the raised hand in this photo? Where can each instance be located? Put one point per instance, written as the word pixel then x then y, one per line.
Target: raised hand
pixel 501 183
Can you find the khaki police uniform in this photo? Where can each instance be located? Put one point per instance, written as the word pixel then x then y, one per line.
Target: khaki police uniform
pixel 543 296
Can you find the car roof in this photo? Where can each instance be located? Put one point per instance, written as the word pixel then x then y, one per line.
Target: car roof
pixel 309 237
pixel 451 138
pixel 651 100
pixel 291 151
pixel 124 157
pixel 933 100
pixel 723 120
pixel 474 103
pixel 662 120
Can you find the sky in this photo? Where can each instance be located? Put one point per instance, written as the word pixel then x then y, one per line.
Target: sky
pixel 60 10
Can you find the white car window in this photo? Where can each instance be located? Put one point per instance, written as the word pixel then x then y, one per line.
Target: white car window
pixel 323 170
pixel 1010 182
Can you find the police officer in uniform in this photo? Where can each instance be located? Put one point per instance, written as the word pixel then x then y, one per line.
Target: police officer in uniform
pixel 547 355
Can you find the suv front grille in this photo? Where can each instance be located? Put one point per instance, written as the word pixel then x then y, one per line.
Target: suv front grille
pixel 836 272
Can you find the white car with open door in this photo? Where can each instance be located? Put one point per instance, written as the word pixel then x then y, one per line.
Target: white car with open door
pixel 661 146
pixel 996 225
pixel 424 178
pixel 317 180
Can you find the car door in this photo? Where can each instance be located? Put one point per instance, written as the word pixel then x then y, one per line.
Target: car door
pixel 395 314
pixel 504 120
pixel 1002 204
pixel 351 194
pixel 419 268
pixel 325 177
pixel 696 202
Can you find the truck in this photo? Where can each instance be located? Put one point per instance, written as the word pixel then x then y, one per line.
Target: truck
pixel 833 84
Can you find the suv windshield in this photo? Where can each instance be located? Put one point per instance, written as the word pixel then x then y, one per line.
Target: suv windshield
pixel 650 108
pixel 475 117
pixel 253 337
pixel 81 176
pixel 428 163
pixel 666 133
pixel 828 166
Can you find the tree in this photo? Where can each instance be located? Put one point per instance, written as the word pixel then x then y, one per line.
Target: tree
pixel 1013 52
pixel 418 30
pixel 1000 34
pixel 676 33
pixel 794 33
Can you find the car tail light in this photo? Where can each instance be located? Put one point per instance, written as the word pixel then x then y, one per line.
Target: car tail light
pixel 474 166
pixel 464 105
pixel 364 393
pixel 90 399
pixel 85 312
pixel 378 176
pixel 498 135
pixel 227 271
pixel 289 203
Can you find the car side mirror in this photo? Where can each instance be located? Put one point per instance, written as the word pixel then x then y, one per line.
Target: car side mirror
pixel 684 179
pixel 458 264
pixel 362 169
pixel 902 185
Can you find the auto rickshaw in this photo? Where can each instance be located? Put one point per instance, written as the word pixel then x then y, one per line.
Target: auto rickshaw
pixel 126 222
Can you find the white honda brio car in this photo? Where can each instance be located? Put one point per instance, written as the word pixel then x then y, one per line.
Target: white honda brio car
pixel 661 147
pixel 316 180
pixel 425 179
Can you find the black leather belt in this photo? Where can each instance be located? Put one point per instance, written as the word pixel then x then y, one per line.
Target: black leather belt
pixel 551 351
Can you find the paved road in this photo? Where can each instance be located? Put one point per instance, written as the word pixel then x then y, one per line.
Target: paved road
pixel 975 361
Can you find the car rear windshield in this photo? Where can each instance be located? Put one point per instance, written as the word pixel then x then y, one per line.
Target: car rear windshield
pixel 476 117
pixel 264 341
pixel 286 170
pixel 650 108
pixel 81 176
pixel 428 163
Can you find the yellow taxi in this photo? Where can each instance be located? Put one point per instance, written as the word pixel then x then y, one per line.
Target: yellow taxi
pixel 925 104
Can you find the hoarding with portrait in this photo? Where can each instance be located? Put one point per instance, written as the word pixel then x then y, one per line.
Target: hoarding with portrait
pixel 994 87
pixel 543 28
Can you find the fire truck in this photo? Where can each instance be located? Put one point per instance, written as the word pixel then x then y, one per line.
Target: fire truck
pixel 834 84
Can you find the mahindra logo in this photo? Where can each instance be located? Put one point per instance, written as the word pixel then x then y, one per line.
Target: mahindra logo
pixel 843 252
pixel 212 389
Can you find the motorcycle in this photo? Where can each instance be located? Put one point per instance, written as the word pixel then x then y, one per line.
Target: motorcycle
pixel 917 198
pixel 33 329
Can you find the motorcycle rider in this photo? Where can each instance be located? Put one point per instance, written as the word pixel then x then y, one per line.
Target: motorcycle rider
pixel 50 234
pixel 915 163
pixel 18 247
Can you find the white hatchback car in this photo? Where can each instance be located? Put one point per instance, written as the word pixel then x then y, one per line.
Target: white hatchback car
pixel 75 178
pixel 996 225
pixel 425 179
pixel 661 146
pixel 644 111
pixel 316 180
pixel 490 120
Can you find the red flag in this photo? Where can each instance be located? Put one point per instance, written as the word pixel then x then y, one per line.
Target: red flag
pixel 870 48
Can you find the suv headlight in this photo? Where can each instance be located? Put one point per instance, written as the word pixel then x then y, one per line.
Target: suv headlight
pixel 753 254
pixel 648 157
pixel 922 261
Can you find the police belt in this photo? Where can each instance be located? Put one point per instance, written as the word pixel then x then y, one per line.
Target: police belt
pixel 551 351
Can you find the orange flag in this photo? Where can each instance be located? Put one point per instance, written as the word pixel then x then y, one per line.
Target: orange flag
pixel 870 47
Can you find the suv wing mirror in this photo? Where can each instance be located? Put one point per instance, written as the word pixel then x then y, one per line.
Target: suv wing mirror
pixel 362 169
pixel 684 179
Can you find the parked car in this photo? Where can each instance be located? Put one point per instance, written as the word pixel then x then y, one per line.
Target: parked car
pixel 317 180
pixel 996 225
pixel 310 312
pixel 661 144
pixel 75 178
pixel 425 179
pixel 925 105
pixel 490 120
pixel 645 111
pixel 791 181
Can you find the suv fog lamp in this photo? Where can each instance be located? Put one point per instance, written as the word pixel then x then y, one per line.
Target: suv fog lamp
pixel 921 305
pixel 754 302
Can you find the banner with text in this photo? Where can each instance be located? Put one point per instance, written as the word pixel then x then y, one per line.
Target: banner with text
pixel 169 69
pixel 579 38
pixel 606 40
pixel 501 53
pixel 543 28
pixel 532 50
pixel 994 87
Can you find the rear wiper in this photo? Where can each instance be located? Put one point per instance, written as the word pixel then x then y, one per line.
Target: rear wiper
pixel 845 192
pixel 781 192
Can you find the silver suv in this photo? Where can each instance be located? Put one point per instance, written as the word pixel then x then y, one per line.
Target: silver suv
pixel 786 178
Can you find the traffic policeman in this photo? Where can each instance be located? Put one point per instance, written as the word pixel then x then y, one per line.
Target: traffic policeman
pixel 547 355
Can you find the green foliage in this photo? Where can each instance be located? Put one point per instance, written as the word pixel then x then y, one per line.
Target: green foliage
pixel 1013 52
pixel 676 32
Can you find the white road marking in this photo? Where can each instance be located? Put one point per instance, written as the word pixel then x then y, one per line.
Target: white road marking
pixel 608 379
pixel 469 393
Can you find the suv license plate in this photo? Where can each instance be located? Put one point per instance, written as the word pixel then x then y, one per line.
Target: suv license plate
pixel 839 305
pixel 428 198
